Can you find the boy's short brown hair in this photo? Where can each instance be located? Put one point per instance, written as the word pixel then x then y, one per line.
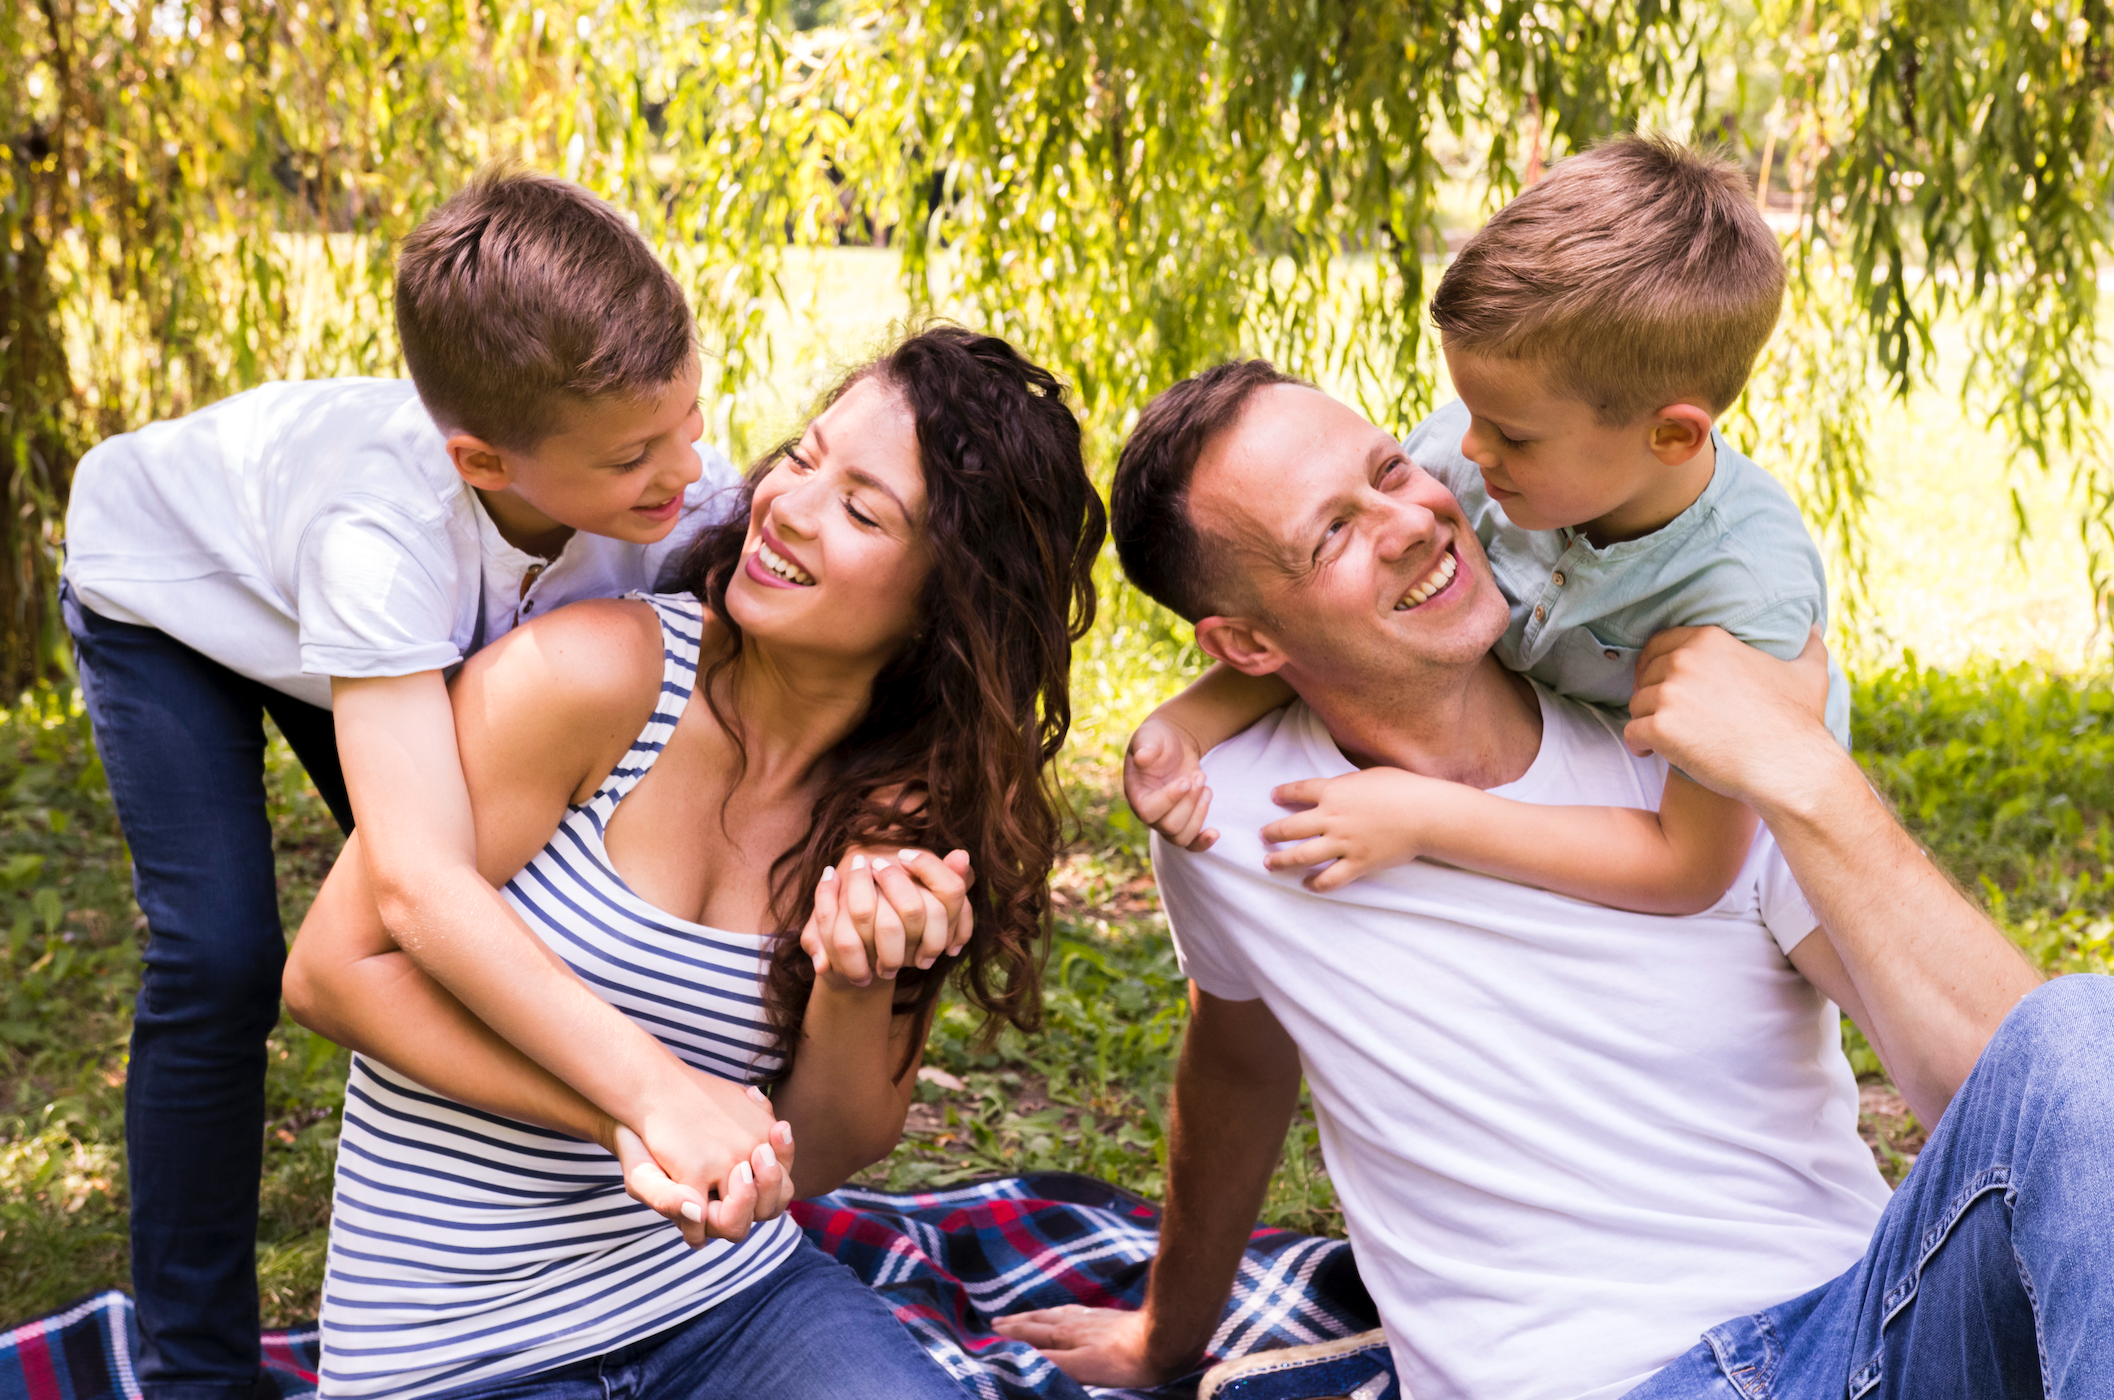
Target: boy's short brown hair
pixel 525 293
pixel 1635 275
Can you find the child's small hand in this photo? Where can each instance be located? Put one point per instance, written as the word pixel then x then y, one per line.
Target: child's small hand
pixel 1364 821
pixel 1163 781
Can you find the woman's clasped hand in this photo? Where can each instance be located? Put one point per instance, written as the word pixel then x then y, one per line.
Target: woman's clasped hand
pixel 875 916
pixel 880 916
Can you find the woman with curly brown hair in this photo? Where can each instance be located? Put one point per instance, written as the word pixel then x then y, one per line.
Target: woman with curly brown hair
pixel 869 666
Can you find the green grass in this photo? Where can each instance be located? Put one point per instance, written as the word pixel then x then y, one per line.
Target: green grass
pixel 72 968
pixel 2007 774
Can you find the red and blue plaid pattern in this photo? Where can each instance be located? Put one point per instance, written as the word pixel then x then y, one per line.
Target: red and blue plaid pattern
pixel 949 1261
pixel 85 1351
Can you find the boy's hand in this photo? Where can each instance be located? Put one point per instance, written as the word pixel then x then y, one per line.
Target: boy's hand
pixel 1364 821
pixel 874 917
pixel 714 1159
pixel 1163 780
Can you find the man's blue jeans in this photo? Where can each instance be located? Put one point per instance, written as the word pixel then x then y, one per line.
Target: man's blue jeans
pixel 182 740
pixel 1992 1272
pixel 809 1330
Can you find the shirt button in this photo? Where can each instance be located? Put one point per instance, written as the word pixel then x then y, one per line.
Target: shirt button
pixel 1539 612
pixel 1559 578
pixel 1612 654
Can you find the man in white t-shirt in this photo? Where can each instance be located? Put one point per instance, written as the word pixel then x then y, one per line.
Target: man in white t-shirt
pixel 1570 1141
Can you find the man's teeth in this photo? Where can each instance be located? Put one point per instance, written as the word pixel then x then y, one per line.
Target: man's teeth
pixel 784 568
pixel 1434 581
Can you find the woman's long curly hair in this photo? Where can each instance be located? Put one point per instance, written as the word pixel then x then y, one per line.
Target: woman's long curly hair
pixel 955 750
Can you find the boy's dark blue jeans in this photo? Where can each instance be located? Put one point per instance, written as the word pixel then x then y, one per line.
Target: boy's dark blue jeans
pixel 1991 1276
pixel 182 741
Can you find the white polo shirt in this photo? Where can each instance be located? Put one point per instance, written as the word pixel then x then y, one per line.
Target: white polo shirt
pixel 1567 1139
pixel 312 529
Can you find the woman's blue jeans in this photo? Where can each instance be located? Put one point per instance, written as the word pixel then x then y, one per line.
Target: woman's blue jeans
pixel 809 1330
pixel 1991 1276
pixel 182 740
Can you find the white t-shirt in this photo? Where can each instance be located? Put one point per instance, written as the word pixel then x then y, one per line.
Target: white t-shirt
pixel 1567 1139
pixel 312 529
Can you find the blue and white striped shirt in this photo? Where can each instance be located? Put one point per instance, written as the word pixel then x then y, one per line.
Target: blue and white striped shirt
pixel 467 1248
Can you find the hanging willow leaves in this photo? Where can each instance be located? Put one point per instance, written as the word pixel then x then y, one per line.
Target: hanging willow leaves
pixel 199 197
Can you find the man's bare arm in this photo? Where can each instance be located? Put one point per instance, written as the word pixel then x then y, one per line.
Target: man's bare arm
pixel 1235 1090
pixel 1933 976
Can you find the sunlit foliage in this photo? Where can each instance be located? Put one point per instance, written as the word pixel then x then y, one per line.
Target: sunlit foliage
pixel 197 197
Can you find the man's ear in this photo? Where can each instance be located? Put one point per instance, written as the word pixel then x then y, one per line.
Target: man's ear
pixel 1240 643
pixel 478 462
pixel 1679 431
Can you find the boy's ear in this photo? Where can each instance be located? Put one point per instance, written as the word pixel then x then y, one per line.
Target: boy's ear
pixel 1679 431
pixel 1240 643
pixel 478 462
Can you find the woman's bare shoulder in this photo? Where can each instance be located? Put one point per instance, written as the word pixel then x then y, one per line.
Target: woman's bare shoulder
pixel 566 683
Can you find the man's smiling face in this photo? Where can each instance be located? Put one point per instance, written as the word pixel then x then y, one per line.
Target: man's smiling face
pixel 1350 560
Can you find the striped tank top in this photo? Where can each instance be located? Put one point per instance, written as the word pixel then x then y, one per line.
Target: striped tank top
pixel 469 1248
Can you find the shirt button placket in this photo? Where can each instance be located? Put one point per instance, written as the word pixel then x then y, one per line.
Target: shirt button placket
pixel 528 581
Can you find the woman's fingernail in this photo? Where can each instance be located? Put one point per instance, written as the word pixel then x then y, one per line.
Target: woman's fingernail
pixel 770 1158
pixel 692 1214
pixel 829 872
pixel 880 863
pixel 748 1178
pixel 858 862
pixel 908 856
pixel 788 1135
pixel 758 1094
pixel 926 962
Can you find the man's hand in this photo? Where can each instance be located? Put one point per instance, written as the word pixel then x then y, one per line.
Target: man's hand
pixel 1364 821
pixel 1730 716
pixel 1163 780
pixel 874 917
pixel 1094 1346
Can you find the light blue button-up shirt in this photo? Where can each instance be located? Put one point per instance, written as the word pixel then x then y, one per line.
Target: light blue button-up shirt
pixel 1738 558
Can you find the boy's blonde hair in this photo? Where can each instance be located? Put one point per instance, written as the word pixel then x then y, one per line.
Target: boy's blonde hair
pixel 1635 275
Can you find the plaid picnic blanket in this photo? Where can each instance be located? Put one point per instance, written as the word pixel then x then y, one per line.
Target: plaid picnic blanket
pixel 84 1352
pixel 953 1259
pixel 948 1261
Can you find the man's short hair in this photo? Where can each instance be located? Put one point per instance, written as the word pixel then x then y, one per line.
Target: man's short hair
pixel 1633 276
pixel 524 294
pixel 1157 539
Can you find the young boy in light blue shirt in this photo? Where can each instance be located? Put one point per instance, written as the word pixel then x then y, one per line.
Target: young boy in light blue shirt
pixel 1595 328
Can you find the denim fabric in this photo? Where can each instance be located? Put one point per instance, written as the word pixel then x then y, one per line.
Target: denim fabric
pixel 1738 558
pixel 1989 1276
pixel 182 741
pixel 808 1330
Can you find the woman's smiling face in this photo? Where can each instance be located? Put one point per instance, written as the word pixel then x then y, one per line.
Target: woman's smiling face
pixel 836 557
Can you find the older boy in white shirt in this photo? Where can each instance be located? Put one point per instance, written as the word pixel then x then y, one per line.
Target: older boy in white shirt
pixel 326 552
